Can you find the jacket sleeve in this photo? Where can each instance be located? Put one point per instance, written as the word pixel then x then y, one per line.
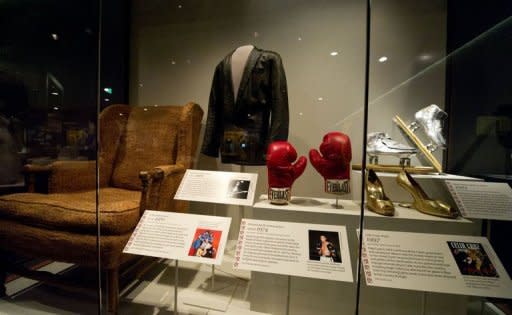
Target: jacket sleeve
pixel 279 108
pixel 212 130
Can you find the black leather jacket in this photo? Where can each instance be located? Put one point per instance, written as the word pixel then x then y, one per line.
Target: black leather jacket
pixel 243 129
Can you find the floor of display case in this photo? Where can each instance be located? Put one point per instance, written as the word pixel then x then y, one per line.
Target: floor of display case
pixel 151 294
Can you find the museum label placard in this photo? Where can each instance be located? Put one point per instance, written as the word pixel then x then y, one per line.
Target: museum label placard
pixel 218 187
pixel 189 237
pixel 296 249
pixel 455 264
pixel 482 200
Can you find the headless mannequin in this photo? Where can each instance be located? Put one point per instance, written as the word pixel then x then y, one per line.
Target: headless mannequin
pixel 238 61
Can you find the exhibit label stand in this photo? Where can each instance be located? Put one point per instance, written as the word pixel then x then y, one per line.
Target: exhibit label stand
pixel 176 283
pixel 229 188
pixel 180 236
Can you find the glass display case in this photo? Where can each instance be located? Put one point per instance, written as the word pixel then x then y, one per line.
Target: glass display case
pixel 271 157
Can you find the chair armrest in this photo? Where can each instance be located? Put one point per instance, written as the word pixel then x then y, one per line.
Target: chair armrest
pixel 188 134
pixel 159 186
pixel 70 176
pixel 37 169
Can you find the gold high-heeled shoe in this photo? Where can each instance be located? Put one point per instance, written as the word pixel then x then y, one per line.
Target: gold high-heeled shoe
pixel 422 202
pixel 376 199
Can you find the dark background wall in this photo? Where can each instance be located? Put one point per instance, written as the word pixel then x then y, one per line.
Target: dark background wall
pixel 479 91
pixel 479 98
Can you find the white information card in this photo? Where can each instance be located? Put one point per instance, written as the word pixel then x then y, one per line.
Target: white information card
pixel 189 237
pixel 296 249
pixel 455 264
pixel 218 187
pixel 482 200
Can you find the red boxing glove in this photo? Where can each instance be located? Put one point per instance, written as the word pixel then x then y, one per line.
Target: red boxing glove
pixel 281 172
pixel 334 162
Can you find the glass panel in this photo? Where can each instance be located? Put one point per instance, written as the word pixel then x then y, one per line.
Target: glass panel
pixel 437 128
pixel 48 79
pixel 298 69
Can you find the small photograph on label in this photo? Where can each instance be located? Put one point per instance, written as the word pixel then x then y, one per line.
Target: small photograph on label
pixel 472 259
pixel 238 188
pixel 324 246
pixel 205 243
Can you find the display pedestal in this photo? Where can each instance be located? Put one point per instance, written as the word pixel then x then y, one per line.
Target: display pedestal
pixel 313 296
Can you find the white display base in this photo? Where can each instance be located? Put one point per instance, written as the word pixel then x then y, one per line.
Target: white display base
pixel 314 296
pixel 350 207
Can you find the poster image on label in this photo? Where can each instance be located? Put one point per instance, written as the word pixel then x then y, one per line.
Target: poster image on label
pixel 238 189
pixel 472 259
pixel 324 246
pixel 205 243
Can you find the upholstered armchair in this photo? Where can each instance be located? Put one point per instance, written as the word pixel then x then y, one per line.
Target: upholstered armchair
pixel 143 155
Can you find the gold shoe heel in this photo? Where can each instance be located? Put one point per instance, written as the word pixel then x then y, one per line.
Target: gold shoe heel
pixel 422 202
pixel 376 199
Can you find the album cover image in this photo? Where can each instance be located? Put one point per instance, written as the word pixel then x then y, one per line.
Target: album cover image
pixel 324 246
pixel 472 260
pixel 205 243
pixel 238 189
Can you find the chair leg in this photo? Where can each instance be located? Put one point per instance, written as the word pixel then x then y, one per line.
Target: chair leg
pixel 112 290
pixel 3 278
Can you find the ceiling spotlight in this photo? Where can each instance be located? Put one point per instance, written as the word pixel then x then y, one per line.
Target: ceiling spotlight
pixel 180 6
pixel 54 36
pixel 334 53
pixel 299 38
pixel 383 59
pixel 55 108
pixel 425 57
pixel 55 93
pixel 107 100
pixel 320 99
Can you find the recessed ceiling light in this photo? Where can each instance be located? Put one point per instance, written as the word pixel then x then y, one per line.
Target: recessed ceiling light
pixel 425 57
pixel 320 99
pixel 334 53
pixel 180 6
pixel 383 59
pixel 107 100
pixel 54 36
pixel 299 38
pixel 55 108
pixel 55 93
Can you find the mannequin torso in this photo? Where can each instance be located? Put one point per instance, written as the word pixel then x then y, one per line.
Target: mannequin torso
pixel 238 61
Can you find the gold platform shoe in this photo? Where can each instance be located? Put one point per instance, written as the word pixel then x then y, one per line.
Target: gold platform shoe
pixel 376 199
pixel 422 202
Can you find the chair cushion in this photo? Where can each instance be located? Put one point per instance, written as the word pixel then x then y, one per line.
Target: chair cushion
pixel 149 140
pixel 75 212
pixel 31 241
